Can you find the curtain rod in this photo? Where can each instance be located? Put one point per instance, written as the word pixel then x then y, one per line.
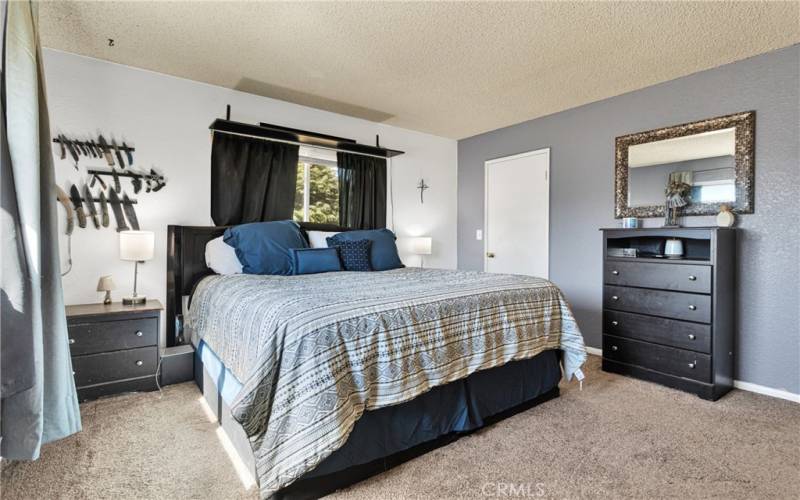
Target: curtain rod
pixel 287 135
pixel 298 143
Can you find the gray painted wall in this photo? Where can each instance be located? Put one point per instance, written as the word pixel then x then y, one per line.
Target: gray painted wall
pixel 582 198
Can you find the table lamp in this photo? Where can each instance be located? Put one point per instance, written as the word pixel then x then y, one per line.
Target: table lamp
pixel 106 284
pixel 137 246
pixel 422 246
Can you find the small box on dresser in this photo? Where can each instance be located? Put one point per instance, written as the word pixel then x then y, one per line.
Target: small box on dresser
pixel 671 321
pixel 114 347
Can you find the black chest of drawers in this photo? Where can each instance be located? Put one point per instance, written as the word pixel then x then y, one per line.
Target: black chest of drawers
pixel 114 348
pixel 671 321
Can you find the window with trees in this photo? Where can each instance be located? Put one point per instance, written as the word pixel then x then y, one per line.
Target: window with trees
pixel 317 192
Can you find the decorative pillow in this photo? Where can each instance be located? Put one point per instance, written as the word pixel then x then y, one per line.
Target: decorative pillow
pixel 318 239
pixel 263 247
pixel 383 255
pixel 315 260
pixel 354 254
pixel 221 257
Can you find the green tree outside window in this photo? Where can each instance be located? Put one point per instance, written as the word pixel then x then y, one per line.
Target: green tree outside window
pixel 323 203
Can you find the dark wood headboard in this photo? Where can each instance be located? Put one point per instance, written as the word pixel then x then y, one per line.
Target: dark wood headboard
pixel 186 265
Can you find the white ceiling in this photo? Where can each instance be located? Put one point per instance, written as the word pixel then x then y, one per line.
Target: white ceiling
pixel 451 69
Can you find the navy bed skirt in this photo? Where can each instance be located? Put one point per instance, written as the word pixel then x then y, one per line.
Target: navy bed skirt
pixel 386 437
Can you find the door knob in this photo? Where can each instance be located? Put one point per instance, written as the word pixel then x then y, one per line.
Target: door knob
pixel 490 255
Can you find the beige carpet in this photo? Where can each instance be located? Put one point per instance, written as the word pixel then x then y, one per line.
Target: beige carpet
pixel 617 438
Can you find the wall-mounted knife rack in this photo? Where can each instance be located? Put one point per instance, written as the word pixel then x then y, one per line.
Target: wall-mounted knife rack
pixel 121 202
pixel 88 145
pixel 153 177
pixel 95 149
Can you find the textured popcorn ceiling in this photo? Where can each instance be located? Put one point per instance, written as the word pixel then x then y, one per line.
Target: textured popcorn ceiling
pixel 451 69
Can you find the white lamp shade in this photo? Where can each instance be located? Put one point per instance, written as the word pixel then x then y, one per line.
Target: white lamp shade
pixel 136 245
pixel 105 283
pixel 422 245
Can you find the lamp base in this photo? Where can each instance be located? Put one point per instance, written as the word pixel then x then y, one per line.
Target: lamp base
pixel 134 301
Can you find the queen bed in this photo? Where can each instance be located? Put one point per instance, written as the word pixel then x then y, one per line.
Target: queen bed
pixel 322 380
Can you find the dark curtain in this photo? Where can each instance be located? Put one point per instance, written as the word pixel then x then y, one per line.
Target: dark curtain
pixel 252 180
pixel 362 191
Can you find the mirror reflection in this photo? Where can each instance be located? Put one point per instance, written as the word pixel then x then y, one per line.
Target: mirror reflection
pixel 697 168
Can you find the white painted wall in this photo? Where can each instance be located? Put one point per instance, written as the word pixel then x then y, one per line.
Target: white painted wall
pixel 166 119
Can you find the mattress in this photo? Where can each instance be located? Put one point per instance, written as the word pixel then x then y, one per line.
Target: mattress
pixel 228 386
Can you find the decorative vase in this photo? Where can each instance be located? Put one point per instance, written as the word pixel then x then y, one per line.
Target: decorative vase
pixel 725 218
pixel 673 249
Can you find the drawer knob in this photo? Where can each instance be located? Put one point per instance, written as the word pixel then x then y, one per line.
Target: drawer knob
pixel 139 363
pixel 615 272
pixel 691 336
pixel 139 333
pixel 614 297
pixel 692 365
pixel 71 341
pixel 615 322
pixel 692 307
pixel 692 278
pixel 614 348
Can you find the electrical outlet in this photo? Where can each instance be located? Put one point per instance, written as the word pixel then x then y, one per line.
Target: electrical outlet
pixel 479 234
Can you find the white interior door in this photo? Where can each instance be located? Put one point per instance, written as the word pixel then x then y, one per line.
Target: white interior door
pixel 517 224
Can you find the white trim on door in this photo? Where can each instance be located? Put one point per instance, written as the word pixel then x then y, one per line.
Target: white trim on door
pixel 486 164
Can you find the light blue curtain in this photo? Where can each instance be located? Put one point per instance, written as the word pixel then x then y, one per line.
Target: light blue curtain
pixel 39 403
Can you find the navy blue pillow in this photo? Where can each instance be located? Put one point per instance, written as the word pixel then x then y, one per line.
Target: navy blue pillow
pixel 354 254
pixel 263 247
pixel 315 260
pixel 383 255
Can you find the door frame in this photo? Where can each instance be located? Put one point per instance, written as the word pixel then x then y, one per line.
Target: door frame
pixel 486 165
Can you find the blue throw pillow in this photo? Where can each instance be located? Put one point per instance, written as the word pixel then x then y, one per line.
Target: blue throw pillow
pixel 315 260
pixel 383 255
pixel 354 254
pixel 263 247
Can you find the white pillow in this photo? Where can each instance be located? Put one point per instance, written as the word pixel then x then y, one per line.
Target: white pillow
pixel 317 238
pixel 221 257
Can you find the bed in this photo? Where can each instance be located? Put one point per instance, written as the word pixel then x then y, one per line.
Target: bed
pixel 323 380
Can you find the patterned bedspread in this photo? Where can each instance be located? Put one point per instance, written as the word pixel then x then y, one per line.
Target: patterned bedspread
pixel 314 352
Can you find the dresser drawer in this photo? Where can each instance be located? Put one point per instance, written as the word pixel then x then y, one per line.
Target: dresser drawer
pixel 678 277
pixel 664 359
pixel 671 332
pixel 108 366
pixel 679 305
pixel 101 336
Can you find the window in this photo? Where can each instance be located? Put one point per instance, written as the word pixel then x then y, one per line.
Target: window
pixel 317 191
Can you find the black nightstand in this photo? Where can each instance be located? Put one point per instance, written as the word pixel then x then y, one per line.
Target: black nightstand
pixel 114 348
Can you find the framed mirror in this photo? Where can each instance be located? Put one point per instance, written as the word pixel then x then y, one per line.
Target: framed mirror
pixel 712 159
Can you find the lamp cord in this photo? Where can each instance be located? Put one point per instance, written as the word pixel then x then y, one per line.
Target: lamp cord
pixel 69 255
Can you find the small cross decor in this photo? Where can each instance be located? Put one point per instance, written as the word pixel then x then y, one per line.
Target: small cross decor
pixel 422 187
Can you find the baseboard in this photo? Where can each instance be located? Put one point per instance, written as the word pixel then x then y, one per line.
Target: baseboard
pixel 594 351
pixel 738 384
pixel 767 391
